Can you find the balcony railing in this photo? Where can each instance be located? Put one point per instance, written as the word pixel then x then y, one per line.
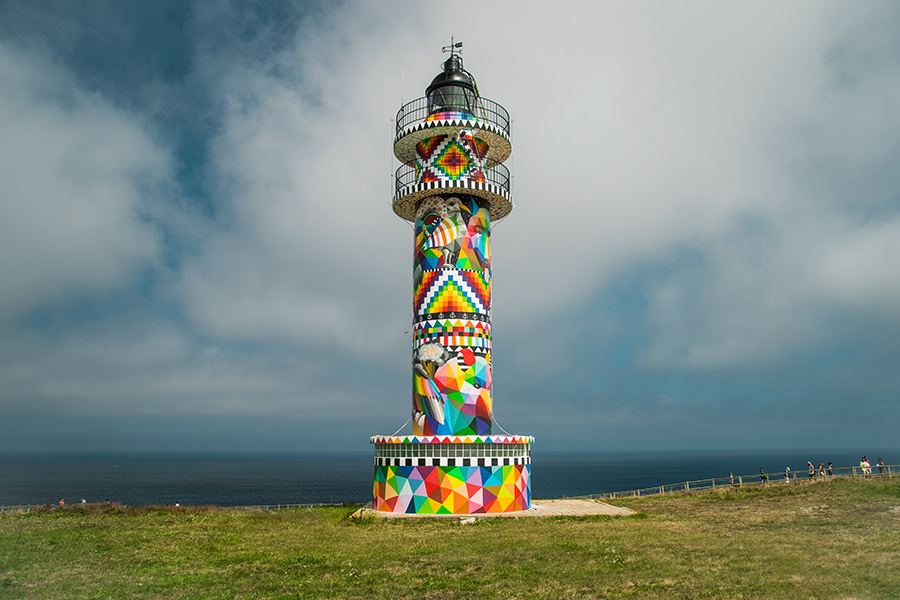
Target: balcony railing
pixel 497 176
pixel 486 111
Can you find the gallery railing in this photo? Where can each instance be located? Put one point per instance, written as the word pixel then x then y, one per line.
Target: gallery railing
pixel 888 471
pixel 497 176
pixel 485 110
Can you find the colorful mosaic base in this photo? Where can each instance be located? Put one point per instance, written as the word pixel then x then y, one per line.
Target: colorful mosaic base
pixel 452 301
pixel 436 490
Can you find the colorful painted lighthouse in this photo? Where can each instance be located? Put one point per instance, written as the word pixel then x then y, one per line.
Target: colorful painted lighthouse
pixel 452 185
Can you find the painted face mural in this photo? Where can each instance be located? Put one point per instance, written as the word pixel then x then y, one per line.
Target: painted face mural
pixel 452 233
pixel 451 301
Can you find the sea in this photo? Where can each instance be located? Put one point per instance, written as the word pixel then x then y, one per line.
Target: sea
pixel 282 479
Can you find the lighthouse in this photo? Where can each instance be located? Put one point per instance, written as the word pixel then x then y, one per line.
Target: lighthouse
pixel 452 186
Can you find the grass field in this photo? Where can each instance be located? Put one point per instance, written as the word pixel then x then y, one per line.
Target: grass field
pixel 833 539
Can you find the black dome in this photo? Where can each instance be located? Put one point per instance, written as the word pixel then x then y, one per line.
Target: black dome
pixel 452 90
pixel 453 74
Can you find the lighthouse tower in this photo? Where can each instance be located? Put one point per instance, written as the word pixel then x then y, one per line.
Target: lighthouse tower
pixel 452 185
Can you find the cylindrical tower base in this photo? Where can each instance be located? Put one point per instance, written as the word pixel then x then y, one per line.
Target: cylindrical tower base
pixel 452 475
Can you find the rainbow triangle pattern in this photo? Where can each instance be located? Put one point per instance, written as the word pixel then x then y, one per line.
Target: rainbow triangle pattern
pixel 436 490
pixel 452 291
pixel 451 439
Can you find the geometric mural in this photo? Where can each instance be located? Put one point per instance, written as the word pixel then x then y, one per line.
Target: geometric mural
pixel 436 490
pixel 450 290
pixel 453 157
pixel 454 333
pixel 451 378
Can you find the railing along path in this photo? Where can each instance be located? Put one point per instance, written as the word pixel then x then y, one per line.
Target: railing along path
pixel 756 479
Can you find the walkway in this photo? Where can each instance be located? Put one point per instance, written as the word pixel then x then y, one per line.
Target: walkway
pixel 568 507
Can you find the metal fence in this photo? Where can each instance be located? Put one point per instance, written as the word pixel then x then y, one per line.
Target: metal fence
pixel 497 175
pixel 21 509
pixel 486 110
pixel 306 505
pixel 756 479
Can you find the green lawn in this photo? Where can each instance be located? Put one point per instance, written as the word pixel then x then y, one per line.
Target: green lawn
pixel 834 539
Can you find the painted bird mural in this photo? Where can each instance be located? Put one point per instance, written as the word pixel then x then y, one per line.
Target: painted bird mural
pixel 451 392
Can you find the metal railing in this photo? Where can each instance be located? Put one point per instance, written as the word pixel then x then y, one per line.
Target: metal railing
pixel 18 509
pixel 498 175
pixel 486 111
pixel 737 481
pixel 303 505
pixel 21 509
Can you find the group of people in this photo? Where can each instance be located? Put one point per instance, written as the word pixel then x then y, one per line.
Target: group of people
pixel 820 471
pixel 825 471
pixel 866 467
pixel 62 501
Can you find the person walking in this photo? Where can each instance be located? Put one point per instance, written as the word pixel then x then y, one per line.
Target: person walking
pixel 880 466
pixel 866 467
pixel 762 476
pixel 830 470
pixel 787 474
pixel 812 469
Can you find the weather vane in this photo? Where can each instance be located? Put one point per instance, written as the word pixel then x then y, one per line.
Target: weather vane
pixel 452 48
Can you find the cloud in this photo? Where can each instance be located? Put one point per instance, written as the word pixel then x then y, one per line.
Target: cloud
pixel 706 212
pixel 76 172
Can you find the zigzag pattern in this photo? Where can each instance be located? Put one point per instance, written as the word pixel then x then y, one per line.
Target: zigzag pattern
pixel 450 290
pixel 424 284
pixel 477 125
pixel 406 199
pixel 480 284
pixel 477 281
pixel 454 335
pixel 451 439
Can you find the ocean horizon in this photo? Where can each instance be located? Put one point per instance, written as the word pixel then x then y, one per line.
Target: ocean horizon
pixel 271 479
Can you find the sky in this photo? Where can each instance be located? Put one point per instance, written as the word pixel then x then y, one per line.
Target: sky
pixel 198 251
